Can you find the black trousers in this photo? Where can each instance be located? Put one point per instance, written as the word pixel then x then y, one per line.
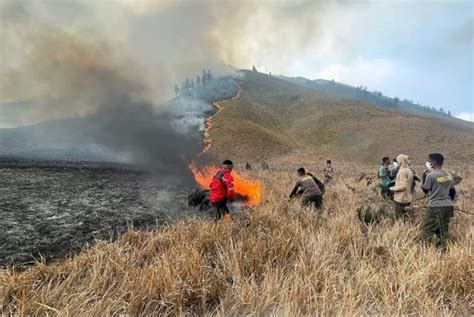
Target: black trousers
pixel 316 200
pixel 400 209
pixel 220 208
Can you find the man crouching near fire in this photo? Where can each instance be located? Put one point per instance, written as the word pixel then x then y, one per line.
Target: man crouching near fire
pixel 311 193
pixel 222 190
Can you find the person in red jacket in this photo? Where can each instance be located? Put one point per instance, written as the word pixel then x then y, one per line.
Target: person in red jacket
pixel 222 190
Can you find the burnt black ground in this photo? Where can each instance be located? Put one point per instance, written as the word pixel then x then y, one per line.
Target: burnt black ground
pixel 55 208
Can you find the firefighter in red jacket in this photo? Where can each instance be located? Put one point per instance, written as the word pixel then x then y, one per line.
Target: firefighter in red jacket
pixel 222 190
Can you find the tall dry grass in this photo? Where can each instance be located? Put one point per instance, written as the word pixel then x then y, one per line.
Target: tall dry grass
pixel 275 259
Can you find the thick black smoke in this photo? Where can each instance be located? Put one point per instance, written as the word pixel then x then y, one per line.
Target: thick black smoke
pixel 65 71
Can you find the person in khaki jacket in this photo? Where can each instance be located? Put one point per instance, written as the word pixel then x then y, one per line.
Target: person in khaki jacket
pixel 307 186
pixel 402 189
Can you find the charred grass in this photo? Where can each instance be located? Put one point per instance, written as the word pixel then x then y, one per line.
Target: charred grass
pixel 277 258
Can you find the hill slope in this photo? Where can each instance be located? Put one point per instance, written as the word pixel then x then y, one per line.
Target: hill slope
pixel 276 118
pixel 277 257
pixel 375 98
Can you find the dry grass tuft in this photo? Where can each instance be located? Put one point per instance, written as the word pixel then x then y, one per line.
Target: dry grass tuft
pixel 277 258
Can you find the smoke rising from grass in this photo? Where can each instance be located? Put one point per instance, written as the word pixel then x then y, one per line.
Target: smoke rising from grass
pixel 115 62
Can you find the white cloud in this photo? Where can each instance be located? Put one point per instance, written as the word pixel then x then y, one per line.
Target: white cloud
pixel 467 116
pixel 370 73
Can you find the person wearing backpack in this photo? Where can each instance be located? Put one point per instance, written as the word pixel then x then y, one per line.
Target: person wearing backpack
pixel 437 184
pixel 320 184
pixel 310 192
pixel 222 191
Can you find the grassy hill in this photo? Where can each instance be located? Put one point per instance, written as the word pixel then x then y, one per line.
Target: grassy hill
pixel 279 258
pixel 274 118
pixel 375 98
pixel 274 259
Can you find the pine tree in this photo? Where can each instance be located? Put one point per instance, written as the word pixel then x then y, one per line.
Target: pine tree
pixel 395 101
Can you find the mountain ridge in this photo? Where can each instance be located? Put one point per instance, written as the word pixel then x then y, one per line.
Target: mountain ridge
pixel 374 97
pixel 274 118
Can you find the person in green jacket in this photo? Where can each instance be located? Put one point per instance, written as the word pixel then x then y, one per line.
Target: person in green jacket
pixel 384 177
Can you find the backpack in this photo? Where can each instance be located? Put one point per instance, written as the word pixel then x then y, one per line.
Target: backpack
pixel 456 180
pixel 320 184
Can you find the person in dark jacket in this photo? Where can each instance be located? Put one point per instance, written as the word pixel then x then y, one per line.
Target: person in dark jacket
pixel 222 190
pixel 437 184
pixel 248 166
pixel 311 194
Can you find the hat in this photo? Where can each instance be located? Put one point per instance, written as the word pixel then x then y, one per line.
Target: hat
pixel 228 163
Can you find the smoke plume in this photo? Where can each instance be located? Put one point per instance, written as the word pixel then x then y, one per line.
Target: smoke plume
pixel 116 62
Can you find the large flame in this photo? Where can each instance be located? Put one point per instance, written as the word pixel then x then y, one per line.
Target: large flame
pixel 250 190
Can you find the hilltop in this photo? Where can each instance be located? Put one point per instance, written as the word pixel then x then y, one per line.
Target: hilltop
pixel 376 98
pixel 274 118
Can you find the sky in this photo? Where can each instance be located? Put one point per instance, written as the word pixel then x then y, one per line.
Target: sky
pixel 418 50
pixel 56 50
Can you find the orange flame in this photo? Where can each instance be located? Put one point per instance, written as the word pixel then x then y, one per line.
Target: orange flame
pixel 248 189
pixel 207 138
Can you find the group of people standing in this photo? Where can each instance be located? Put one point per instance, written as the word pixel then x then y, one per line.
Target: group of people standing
pixel 398 182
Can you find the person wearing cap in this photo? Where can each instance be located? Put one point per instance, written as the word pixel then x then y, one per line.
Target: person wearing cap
pixel 328 172
pixel 222 191
pixel 437 184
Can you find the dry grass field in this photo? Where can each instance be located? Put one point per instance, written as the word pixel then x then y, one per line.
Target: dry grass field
pixel 276 258
pixel 283 120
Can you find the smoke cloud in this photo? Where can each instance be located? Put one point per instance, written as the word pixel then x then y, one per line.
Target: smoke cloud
pixel 54 50
pixel 116 62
